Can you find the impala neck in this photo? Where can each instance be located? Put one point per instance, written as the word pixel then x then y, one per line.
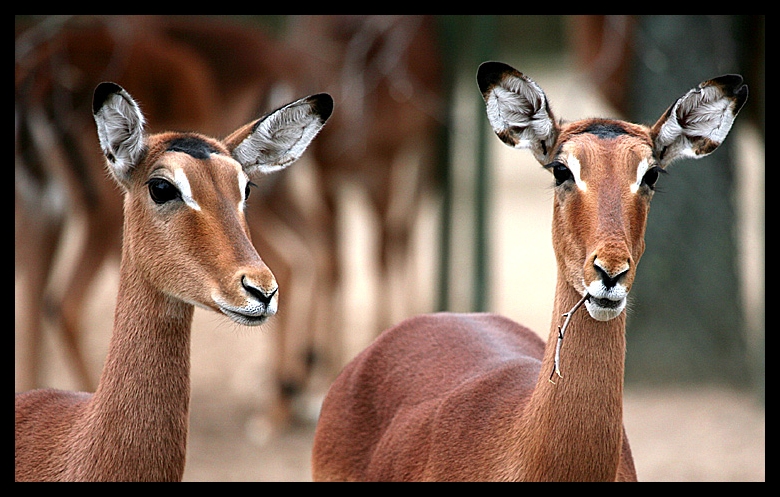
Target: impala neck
pixel 139 413
pixel 575 425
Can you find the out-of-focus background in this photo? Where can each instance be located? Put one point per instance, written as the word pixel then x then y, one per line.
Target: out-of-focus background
pixel 406 203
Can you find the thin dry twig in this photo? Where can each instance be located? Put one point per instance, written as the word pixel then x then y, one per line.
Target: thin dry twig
pixel 561 330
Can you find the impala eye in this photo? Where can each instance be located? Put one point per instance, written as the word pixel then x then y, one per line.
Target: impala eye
pixel 162 191
pixel 561 173
pixel 651 176
pixel 247 190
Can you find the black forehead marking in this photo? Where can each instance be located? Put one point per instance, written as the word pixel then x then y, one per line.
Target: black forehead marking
pixel 606 131
pixel 191 145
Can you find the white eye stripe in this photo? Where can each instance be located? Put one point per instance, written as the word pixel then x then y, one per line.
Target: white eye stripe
pixel 641 169
pixel 183 184
pixel 243 180
pixel 184 187
pixel 574 166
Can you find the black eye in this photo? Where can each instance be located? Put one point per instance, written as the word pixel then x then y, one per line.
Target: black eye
pixel 651 176
pixel 560 172
pixel 247 190
pixel 162 191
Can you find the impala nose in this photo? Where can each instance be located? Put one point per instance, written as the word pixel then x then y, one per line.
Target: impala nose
pixel 610 278
pixel 607 279
pixel 258 301
pixel 263 295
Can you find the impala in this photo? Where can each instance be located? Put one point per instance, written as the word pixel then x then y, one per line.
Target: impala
pixel 479 397
pixel 185 243
pixel 177 69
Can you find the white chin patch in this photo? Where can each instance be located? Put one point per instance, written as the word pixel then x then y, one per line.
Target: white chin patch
pixel 603 309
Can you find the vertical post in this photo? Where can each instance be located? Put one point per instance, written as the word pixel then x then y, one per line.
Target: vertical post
pixel 484 32
pixel 466 42
pixel 449 50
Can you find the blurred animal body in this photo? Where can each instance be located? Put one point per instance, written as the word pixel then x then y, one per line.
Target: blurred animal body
pixel 385 73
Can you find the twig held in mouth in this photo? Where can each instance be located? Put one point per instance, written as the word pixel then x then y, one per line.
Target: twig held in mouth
pixel 561 331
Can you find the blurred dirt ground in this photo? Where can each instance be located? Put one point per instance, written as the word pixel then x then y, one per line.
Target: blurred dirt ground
pixel 694 435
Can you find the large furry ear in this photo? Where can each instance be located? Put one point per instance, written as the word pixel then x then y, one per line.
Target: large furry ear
pixel 120 127
pixel 698 122
pixel 517 109
pixel 280 138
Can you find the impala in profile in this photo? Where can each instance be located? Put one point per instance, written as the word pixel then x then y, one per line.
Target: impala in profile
pixel 185 243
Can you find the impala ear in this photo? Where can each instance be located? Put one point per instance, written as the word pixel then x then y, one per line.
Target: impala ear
pixel 280 138
pixel 698 122
pixel 517 109
pixel 120 127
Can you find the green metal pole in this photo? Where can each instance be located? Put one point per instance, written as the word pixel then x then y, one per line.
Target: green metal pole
pixel 449 51
pixel 485 43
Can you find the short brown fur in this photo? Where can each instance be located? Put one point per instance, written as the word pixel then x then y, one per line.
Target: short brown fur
pixel 473 396
pixel 174 255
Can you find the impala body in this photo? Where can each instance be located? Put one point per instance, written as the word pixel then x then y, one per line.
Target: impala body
pixel 474 396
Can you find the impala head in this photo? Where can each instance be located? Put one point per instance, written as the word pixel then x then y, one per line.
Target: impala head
pixel 185 193
pixel 605 171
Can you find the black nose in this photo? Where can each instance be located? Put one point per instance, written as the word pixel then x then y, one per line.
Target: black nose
pixel 609 281
pixel 264 296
